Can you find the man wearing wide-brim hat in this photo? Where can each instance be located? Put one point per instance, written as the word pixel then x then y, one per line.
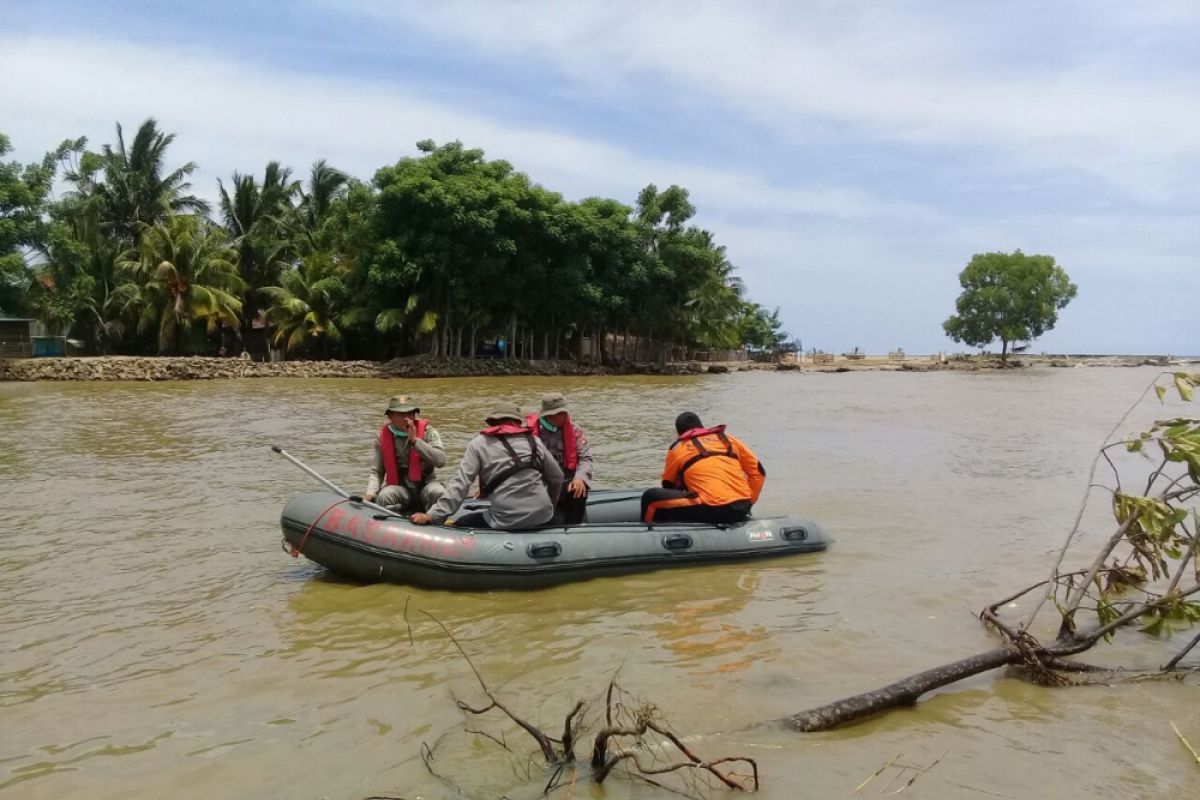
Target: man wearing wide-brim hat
pixel 408 451
pixel 569 445
pixel 517 474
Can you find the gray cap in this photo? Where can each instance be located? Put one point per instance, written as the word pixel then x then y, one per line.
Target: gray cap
pixel 553 403
pixel 506 411
pixel 402 403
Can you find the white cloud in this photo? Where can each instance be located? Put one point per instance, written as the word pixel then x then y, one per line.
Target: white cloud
pixel 231 115
pixel 913 74
pixel 844 266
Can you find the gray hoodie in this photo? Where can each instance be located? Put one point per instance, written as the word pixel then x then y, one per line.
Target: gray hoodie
pixel 525 500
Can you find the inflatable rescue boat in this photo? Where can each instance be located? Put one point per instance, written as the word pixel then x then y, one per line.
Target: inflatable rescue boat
pixel 362 543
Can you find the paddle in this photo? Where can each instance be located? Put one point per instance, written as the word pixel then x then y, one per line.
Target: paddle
pixel 331 485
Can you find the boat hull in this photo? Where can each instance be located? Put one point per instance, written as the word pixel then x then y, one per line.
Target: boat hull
pixel 356 542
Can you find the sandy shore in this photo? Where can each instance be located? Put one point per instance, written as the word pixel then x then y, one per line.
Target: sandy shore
pixel 134 368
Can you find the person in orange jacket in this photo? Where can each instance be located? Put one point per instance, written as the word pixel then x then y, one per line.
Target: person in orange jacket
pixel 709 477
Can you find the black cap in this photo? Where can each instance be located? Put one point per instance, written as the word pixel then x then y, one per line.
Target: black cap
pixel 686 421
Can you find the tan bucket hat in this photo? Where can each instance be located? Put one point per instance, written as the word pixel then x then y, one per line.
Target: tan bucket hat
pixel 510 412
pixel 552 404
pixel 402 403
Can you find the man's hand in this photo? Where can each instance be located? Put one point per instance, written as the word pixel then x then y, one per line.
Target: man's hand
pixel 577 487
pixel 409 426
pixel 369 497
pixel 420 518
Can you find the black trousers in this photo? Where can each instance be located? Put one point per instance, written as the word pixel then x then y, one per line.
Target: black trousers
pixel 678 505
pixel 570 509
pixel 474 519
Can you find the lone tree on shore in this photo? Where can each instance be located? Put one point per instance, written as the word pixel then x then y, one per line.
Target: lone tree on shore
pixel 1010 297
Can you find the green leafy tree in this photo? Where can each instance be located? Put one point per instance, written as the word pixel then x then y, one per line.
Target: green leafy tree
pixel 187 275
pixel 24 230
pixel 759 328
pixel 1008 296
pixel 446 223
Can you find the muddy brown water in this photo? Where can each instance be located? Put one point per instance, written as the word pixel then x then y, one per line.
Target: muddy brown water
pixel 156 642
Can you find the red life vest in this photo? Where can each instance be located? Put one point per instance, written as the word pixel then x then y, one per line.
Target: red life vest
pixel 694 432
pixel 570 456
pixel 519 463
pixel 507 429
pixel 387 446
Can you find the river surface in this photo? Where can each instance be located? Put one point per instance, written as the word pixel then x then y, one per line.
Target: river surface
pixel 155 641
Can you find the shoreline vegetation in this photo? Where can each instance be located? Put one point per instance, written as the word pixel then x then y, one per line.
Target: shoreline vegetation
pixel 443 252
pixel 160 368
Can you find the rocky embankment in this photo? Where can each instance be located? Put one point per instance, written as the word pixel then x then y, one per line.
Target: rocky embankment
pixel 135 368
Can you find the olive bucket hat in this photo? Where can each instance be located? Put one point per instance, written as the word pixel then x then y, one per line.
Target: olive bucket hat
pixel 552 404
pixel 506 412
pixel 401 403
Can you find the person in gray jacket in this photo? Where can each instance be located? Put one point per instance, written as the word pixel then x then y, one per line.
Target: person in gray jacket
pixel 408 450
pixel 518 475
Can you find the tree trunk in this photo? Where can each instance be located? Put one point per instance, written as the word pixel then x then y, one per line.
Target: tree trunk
pixel 511 352
pixel 545 345
pixel 903 692
pixel 1003 350
pixel 474 330
pixel 557 334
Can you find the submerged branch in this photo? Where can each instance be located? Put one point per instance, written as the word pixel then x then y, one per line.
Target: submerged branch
pixel 1023 650
pixel 543 741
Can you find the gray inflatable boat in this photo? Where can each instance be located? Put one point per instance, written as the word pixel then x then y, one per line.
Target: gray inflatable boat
pixel 360 543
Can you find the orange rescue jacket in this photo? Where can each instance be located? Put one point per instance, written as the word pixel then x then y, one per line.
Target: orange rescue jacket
pixel 718 468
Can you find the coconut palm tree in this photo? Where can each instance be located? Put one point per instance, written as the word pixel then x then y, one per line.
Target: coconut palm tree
pixel 258 219
pixel 136 191
pixel 325 185
pixel 186 273
pixel 310 305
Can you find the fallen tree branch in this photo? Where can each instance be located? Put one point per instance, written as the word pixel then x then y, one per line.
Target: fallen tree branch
pixel 1179 656
pixel 543 741
pixel 907 691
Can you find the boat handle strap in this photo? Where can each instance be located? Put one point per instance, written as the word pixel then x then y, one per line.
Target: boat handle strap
pixel 677 541
pixel 544 550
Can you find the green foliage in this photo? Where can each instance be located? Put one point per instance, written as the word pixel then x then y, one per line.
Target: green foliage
pixel 1157 538
pixel 310 305
pixel 1010 297
pixel 186 274
pixel 440 243
pixel 23 229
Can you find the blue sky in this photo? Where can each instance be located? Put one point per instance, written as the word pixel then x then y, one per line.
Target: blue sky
pixel 851 156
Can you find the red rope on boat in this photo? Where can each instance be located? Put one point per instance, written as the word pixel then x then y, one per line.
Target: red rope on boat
pixel 295 552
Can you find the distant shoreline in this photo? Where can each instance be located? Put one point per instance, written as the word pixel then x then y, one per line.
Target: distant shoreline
pixel 167 368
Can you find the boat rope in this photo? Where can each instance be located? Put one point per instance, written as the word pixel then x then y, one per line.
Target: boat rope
pixel 295 551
